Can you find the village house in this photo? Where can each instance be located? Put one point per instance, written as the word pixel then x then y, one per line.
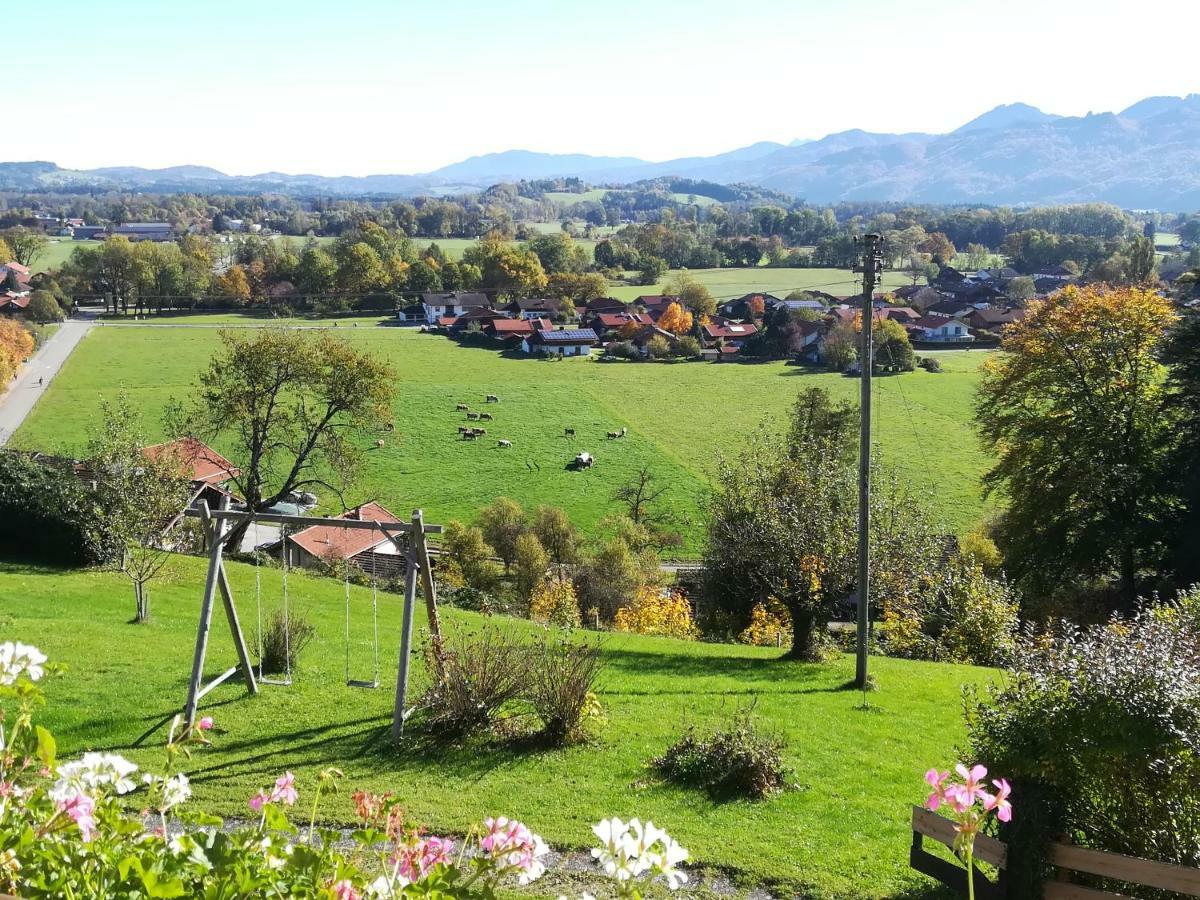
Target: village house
pixel 511 332
pixel 479 315
pixel 368 549
pixel 641 338
pixel 653 303
pixel 902 314
pixel 994 319
pixel 942 330
pixel 603 305
pixel 449 304
pixel 726 334
pixel 605 324
pixel 565 342
pixel 532 308
pixel 209 473
pixel 742 307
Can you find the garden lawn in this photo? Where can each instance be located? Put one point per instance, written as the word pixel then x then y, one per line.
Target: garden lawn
pixel 680 417
pixel 844 832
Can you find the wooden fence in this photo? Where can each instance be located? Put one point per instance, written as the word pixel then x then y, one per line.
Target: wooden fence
pixel 1066 858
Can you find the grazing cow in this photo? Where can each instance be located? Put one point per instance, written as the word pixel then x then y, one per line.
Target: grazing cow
pixel 613 435
pixel 463 429
pixel 462 407
pixel 505 444
pixel 469 435
pixel 485 417
pixel 491 398
pixel 472 417
pixel 379 444
pixel 479 431
pixel 569 432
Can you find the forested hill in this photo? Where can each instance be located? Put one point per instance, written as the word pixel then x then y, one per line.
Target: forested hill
pixel 1146 156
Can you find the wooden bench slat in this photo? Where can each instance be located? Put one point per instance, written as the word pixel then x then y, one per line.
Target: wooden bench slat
pixel 1061 890
pixel 941 829
pixel 1148 873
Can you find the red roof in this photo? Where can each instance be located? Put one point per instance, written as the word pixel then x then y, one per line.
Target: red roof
pixel 901 312
pixel 203 463
pixel 18 268
pixel 324 541
pixel 732 331
pixel 510 326
pixel 649 300
pixel 616 320
pixel 447 321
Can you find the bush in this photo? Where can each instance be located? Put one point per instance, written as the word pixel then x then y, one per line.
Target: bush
pixel 463 596
pixel 48 515
pixel 957 614
pixel 931 364
pixel 483 674
pixel 770 626
pixel 284 639
pixel 653 612
pixel 1099 729
pixel 739 761
pixel 623 350
pixel 554 603
pixel 561 688
pixel 687 347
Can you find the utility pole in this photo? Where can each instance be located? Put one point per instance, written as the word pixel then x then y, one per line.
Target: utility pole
pixel 870 267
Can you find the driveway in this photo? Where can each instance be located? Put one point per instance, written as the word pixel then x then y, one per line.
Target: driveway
pixel 35 376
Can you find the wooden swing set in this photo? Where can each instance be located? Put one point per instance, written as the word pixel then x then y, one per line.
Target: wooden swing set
pixel 409 538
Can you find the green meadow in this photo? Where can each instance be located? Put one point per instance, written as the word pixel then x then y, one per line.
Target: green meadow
pixel 842 831
pixel 680 417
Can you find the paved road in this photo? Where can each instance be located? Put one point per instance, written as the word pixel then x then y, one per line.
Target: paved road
pixel 36 375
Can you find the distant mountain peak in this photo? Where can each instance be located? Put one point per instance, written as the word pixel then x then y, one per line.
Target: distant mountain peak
pixel 1007 115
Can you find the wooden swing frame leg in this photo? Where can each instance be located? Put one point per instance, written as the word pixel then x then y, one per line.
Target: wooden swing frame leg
pixel 215 580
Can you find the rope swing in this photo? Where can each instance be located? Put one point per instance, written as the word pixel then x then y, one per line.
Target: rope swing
pixel 358 682
pixel 286 680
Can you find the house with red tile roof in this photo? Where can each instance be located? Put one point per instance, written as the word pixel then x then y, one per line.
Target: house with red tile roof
pixel 371 550
pixel 209 472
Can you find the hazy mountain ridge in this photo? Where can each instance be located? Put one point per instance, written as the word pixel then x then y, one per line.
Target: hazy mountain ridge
pixel 1148 155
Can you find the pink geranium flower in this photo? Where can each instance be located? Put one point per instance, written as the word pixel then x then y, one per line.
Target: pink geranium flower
pixel 937 781
pixel 285 789
pixel 344 890
pixel 205 724
pixel 257 801
pixel 999 803
pixel 80 808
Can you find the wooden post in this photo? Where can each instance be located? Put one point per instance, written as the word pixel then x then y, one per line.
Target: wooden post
pixel 206 609
pixel 417 537
pixel 410 602
pixel 235 629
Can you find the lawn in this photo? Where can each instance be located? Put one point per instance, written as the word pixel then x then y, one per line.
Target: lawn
pixel 679 418
pixel 57 252
pixel 728 284
pixel 844 832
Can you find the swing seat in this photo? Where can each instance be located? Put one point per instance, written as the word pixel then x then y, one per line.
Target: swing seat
pixel 360 683
pixel 277 682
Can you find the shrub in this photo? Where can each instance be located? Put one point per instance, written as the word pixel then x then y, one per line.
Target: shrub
pixel 47 515
pixel 1098 728
pixel 655 612
pixel 957 613
pixel 529 567
pixel 931 364
pixel 284 639
pixel 687 347
pixel 483 674
pixel 463 596
pixel 623 350
pixel 561 682
pixel 554 602
pixel 770 626
pixel 739 761
pixel 982 549
pixel 465 548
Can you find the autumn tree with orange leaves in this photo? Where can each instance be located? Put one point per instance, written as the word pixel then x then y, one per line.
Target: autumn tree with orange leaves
pixel 676 320
pixel 16 344
pixel 1074 412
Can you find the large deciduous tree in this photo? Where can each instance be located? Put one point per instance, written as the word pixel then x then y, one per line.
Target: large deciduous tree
pixel 1075 414
pixel 782 521
pixel 291 404
pixel 26 245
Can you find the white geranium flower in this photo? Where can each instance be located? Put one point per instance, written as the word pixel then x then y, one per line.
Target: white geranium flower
pixel 175 790
pixel 93 772
pixel 17 659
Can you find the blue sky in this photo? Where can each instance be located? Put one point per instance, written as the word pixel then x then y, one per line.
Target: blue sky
pixel 370 86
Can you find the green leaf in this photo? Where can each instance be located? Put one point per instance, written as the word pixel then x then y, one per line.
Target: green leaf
pixel 276 819
pixel 46 747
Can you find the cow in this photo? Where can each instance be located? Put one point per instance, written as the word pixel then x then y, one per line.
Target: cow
pixel 462 407
pixel 485 417
pixel 491 398
pixel 463 429
pixel 504 444
pixel 479 431
pixel 379 444
pixel 469 435
pixel 569 432
pixel 472 417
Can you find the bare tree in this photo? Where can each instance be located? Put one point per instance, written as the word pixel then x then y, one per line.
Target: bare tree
pixel 637 496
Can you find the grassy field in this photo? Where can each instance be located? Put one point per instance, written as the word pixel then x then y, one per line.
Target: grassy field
pixel 843 832
pixel 679 418
pixel 58 252
pixel 1166 239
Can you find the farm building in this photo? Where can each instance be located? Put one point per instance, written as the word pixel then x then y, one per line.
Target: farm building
pixel 567 342
pixel 145 231
pixel 365 548
pixel 730 334
pixel 208 471
pixel 994 319
pixel 532 308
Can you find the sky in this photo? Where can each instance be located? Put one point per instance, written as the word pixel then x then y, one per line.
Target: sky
pixel 359 87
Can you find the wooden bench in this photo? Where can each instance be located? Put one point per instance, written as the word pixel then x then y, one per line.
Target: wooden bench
pixel 926 824
pixel 1130 869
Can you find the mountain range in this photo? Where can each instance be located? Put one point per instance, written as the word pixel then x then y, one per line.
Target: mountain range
pixel 1146 156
